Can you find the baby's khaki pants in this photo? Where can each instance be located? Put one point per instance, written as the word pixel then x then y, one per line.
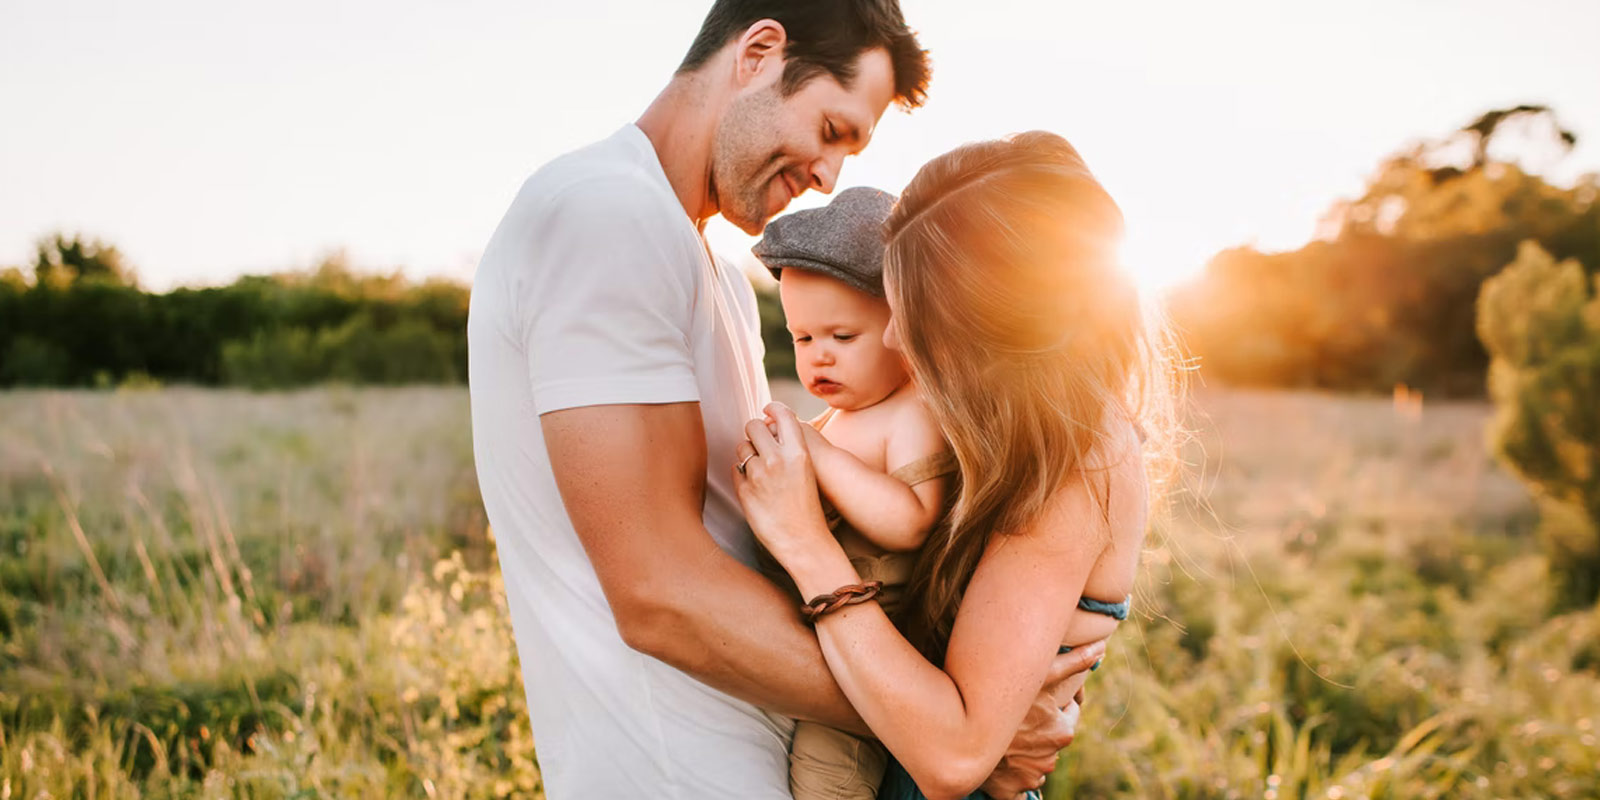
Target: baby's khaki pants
pixel 827 763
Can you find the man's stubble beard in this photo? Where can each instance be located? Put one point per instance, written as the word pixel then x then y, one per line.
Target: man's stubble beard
pixel 742 162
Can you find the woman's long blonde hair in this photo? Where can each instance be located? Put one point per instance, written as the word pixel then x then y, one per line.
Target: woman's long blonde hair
pixel 1027 340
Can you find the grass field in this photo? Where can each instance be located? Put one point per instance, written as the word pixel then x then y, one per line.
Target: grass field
pixel 294 595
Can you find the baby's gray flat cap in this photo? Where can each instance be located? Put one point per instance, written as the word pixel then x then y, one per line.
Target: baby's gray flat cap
pixel 843 239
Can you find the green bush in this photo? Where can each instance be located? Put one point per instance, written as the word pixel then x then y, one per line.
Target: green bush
pixel 272 359
pixel 30 360
pixel 1540 321
pixel 357 351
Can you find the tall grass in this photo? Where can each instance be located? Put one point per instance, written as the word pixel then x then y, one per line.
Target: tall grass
pixel 295 595
pixel 1350 605
pixel 252 595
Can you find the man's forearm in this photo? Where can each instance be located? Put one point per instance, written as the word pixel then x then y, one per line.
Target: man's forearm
pixel 732 629
pixel 633 481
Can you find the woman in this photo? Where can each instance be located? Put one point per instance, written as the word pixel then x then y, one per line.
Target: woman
pixel 1028 343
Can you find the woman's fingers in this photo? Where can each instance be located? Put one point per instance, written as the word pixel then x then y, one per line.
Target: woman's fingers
pixel 1069 671
pixel 742 456
pixel 1016 775
pixel 1080 659
pixel 760 438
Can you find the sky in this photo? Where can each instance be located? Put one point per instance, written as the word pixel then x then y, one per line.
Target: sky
pixel 207 140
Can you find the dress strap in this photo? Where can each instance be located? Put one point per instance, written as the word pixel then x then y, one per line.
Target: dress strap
pixel 927 468
pixel 822 419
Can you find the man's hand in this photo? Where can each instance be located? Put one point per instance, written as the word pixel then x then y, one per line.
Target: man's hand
pixel 1050 725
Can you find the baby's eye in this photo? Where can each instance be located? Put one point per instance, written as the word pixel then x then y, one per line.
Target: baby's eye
pixel 802 339
pixel 844 337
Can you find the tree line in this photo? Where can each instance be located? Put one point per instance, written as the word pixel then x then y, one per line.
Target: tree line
pixel 1385 296
pixel 78 317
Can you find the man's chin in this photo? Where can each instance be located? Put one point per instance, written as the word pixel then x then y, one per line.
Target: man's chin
pixel 750 224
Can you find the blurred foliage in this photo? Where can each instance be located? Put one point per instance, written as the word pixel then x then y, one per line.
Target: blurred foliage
pixel 62 260
pixel 227 594
pixel 775 333
pixel 1385 295
pixel 1540 320
pixel 81 320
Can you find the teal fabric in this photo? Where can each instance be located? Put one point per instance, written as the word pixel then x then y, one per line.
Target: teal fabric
pixel 897 785
pixel 1117 611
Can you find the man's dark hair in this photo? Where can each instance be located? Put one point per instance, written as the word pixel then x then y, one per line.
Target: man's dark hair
pixel 825 36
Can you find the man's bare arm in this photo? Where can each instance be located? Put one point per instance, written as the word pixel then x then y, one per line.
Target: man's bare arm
pixel 632 478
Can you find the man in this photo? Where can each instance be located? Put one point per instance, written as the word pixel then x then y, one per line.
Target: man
pixel 614 364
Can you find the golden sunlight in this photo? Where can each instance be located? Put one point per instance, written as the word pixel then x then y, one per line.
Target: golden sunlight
pixel 1160 263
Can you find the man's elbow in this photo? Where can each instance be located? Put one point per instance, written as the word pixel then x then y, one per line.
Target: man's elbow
pixel 653 625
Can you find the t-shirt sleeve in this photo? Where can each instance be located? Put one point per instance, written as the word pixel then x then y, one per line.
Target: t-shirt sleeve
pixel 608 308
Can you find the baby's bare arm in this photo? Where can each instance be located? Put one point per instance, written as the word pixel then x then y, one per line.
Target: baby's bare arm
pixel 883 509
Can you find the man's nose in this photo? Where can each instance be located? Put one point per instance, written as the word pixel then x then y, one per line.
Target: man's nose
pixel 825 173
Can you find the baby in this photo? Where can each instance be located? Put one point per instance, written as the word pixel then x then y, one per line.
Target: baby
pixel 881 463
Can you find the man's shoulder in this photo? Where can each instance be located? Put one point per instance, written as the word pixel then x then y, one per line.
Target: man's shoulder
pixel 606 178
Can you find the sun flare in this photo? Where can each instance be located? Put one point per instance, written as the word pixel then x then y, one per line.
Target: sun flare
pixel 1157 265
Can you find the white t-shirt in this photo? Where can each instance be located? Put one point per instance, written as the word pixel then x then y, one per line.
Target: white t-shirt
pixel 597 289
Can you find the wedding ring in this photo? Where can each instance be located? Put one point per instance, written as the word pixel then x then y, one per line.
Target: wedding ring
pixel 741 464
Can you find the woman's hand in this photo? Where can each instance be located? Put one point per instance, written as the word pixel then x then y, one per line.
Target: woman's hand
pixel 777 488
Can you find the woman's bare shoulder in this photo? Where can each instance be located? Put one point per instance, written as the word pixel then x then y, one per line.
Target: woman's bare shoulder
pixel 1105 494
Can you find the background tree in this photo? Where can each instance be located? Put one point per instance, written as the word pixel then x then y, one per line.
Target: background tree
pixel 1540 320
pixel 60 258
pixel 1386 294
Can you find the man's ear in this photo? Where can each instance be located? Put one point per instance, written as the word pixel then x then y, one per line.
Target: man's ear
pixel 758 53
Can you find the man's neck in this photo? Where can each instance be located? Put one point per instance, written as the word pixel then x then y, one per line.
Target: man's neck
pixel 681 125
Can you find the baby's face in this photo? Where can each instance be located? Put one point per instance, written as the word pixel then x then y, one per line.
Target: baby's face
pixel 838 340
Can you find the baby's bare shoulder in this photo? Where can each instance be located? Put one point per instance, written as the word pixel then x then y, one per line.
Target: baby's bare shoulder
pixel 912 432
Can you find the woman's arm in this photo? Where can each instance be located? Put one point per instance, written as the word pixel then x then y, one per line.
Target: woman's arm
pixel 949 727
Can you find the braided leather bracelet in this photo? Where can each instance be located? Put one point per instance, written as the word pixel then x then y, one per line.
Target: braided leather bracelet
pixel 825 604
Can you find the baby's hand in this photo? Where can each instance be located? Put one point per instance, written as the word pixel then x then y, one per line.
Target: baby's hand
pixel 813 437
